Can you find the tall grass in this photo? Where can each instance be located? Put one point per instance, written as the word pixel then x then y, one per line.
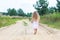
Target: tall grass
pixel 53 20
pixel 5 21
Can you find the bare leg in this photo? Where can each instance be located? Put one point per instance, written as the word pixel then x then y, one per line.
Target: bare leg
pixel 35 31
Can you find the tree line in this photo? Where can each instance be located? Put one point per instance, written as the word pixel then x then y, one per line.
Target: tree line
pixel 19 12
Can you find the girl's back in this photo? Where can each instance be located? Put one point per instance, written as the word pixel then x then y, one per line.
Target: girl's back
pixel 35 17
pixel 35 21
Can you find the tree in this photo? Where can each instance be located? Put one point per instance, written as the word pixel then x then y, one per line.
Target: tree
pixel 9 11
pixel 21 12
pixel 52 9
pixel 58 5
pixel 4 13
pixel 12 12
pixel 29 14
pixel 41 6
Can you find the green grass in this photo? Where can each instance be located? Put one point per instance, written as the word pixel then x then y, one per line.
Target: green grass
pixel 24 23
pixel 53 20
pixel 5 21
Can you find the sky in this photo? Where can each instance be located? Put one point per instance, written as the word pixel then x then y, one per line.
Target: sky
pixel 26 5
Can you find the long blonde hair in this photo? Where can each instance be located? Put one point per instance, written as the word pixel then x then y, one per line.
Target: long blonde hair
pixel 35 16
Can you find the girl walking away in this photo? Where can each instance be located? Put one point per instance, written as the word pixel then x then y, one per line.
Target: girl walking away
pixel 35 21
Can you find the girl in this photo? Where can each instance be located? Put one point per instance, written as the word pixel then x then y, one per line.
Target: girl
pixel 35 21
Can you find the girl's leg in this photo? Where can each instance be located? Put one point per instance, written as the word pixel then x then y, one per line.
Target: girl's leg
pixel 35 31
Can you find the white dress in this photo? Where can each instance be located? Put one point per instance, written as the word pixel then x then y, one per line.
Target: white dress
pixel 35 25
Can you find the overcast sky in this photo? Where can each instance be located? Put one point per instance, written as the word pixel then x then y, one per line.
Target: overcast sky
pixel 26 5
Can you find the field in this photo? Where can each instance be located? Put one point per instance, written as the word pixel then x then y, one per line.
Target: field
pixel 53 20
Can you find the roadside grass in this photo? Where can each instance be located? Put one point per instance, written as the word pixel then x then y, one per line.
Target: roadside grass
pixel 52 20
pixel 5 21
pixel 24 23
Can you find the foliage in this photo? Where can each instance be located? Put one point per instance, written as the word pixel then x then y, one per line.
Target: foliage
pixel 58 5
pixel 29 14
pixel 12 12
pixel 21 12
pixel 41 6
pixel 52 9
pixel 25 24
pixel 4 21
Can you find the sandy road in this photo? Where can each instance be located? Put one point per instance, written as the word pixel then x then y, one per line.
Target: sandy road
pixel 20 32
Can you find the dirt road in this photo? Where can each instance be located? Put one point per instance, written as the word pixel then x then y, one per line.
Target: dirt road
pixel 20 32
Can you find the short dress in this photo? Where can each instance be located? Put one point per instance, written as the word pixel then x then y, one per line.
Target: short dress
pixel 35 25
